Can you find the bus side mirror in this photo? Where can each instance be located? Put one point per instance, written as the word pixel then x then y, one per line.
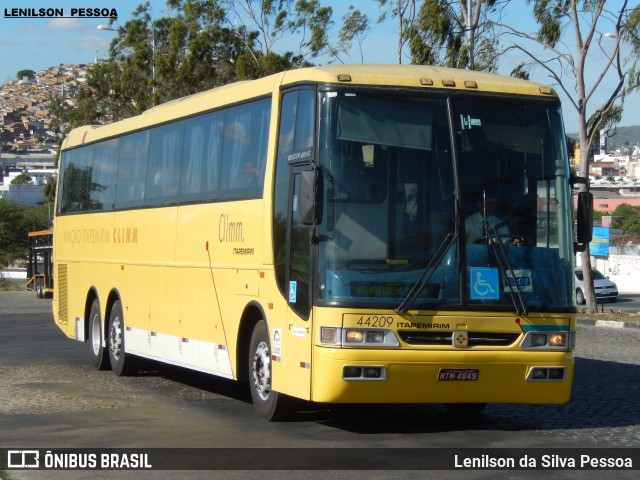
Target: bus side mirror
pixel 584 221
pixel 310 207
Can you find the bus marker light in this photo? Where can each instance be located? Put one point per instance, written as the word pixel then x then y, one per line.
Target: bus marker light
pixel 344 77
pixel 330 335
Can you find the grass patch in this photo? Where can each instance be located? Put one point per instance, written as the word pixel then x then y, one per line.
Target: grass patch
pixel 5 476
pixel 7 285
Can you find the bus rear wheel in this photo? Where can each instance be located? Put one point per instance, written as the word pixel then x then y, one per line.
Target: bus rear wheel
pixel 268 403
pixel 99 355
pixel 122 363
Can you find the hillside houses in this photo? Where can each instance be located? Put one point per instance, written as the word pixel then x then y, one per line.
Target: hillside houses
pixel 24 116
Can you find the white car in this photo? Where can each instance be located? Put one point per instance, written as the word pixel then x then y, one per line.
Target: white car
pixel 605 288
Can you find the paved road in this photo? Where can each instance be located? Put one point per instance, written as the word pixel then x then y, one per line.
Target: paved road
pixel 50 397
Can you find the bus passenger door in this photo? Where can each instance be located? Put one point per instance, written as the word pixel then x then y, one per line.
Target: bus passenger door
pixel 299 319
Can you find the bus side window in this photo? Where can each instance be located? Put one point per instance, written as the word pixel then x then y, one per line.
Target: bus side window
pixel 132 169
pixel 245 139
pixel 164 164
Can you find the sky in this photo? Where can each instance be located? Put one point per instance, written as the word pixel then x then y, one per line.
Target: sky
pixel 40 43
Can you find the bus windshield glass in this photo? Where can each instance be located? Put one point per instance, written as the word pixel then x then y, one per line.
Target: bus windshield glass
pixel 464 200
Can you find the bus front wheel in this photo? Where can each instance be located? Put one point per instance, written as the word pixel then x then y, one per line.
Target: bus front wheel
pixel 99 355
pixel 121 362
pixel 268 403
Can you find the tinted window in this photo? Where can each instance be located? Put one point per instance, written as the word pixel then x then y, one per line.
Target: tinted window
pixel 163 174
pixel 103 175
pixel 245 140
pixel 216 156
pixel 201 158
pixel 132 169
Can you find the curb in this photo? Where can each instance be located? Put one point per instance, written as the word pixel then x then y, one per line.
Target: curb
pixel 607 323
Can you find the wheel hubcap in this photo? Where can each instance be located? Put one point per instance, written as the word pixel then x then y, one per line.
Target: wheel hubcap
pixel 95 334
pixel 261 371
pixel 115 338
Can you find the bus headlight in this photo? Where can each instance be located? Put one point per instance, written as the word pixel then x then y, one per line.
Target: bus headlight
pixel 354 336
pixel 548 341
pixel 358 337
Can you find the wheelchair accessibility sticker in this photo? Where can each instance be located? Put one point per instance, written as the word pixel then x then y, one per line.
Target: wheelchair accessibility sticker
pixel 483 283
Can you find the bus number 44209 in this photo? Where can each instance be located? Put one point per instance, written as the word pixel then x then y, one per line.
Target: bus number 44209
pixel 375 321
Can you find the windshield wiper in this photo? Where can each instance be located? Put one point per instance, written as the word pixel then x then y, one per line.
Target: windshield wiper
pixel 419 284
pixel 495 241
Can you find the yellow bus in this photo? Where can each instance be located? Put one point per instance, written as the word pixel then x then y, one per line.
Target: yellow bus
pixel 310 233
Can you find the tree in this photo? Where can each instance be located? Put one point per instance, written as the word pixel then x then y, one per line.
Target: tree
pixel 201 44
pixel 571 35
pixel 355 26
pixel 25 73
pixel 627 219
pixel 404 11
pixel 22 179
pixel 456 34
pixel 16 220
pixel 268 22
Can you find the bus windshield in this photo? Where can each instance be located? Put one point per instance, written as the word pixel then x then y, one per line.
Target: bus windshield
pixel 475 216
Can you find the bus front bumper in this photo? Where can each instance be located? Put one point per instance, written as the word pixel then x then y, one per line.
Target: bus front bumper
pixel 470 376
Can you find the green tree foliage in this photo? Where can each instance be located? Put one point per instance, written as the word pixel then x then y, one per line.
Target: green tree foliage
pixel 627 218
pixel 355 26
pixel 25 73
pixel 16 220
pixel 452 34
pixel 404 12
pixel 22 179
pixel 199 44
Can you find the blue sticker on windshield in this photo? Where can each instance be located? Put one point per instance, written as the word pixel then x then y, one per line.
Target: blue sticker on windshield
pixel 293 291
pixel 483 283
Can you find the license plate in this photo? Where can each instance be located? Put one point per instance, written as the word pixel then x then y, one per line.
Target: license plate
pixel 458 374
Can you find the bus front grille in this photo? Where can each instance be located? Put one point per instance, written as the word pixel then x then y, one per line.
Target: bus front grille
pixel 489 339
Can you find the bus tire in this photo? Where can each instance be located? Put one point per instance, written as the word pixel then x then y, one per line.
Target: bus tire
pixel 99 355
pixel 268 403
pixel 121 363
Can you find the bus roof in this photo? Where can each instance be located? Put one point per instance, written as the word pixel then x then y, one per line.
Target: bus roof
pixel 415 76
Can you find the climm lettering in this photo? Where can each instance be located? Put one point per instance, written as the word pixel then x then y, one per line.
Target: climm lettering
pixel 125 235
pixel 229 231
